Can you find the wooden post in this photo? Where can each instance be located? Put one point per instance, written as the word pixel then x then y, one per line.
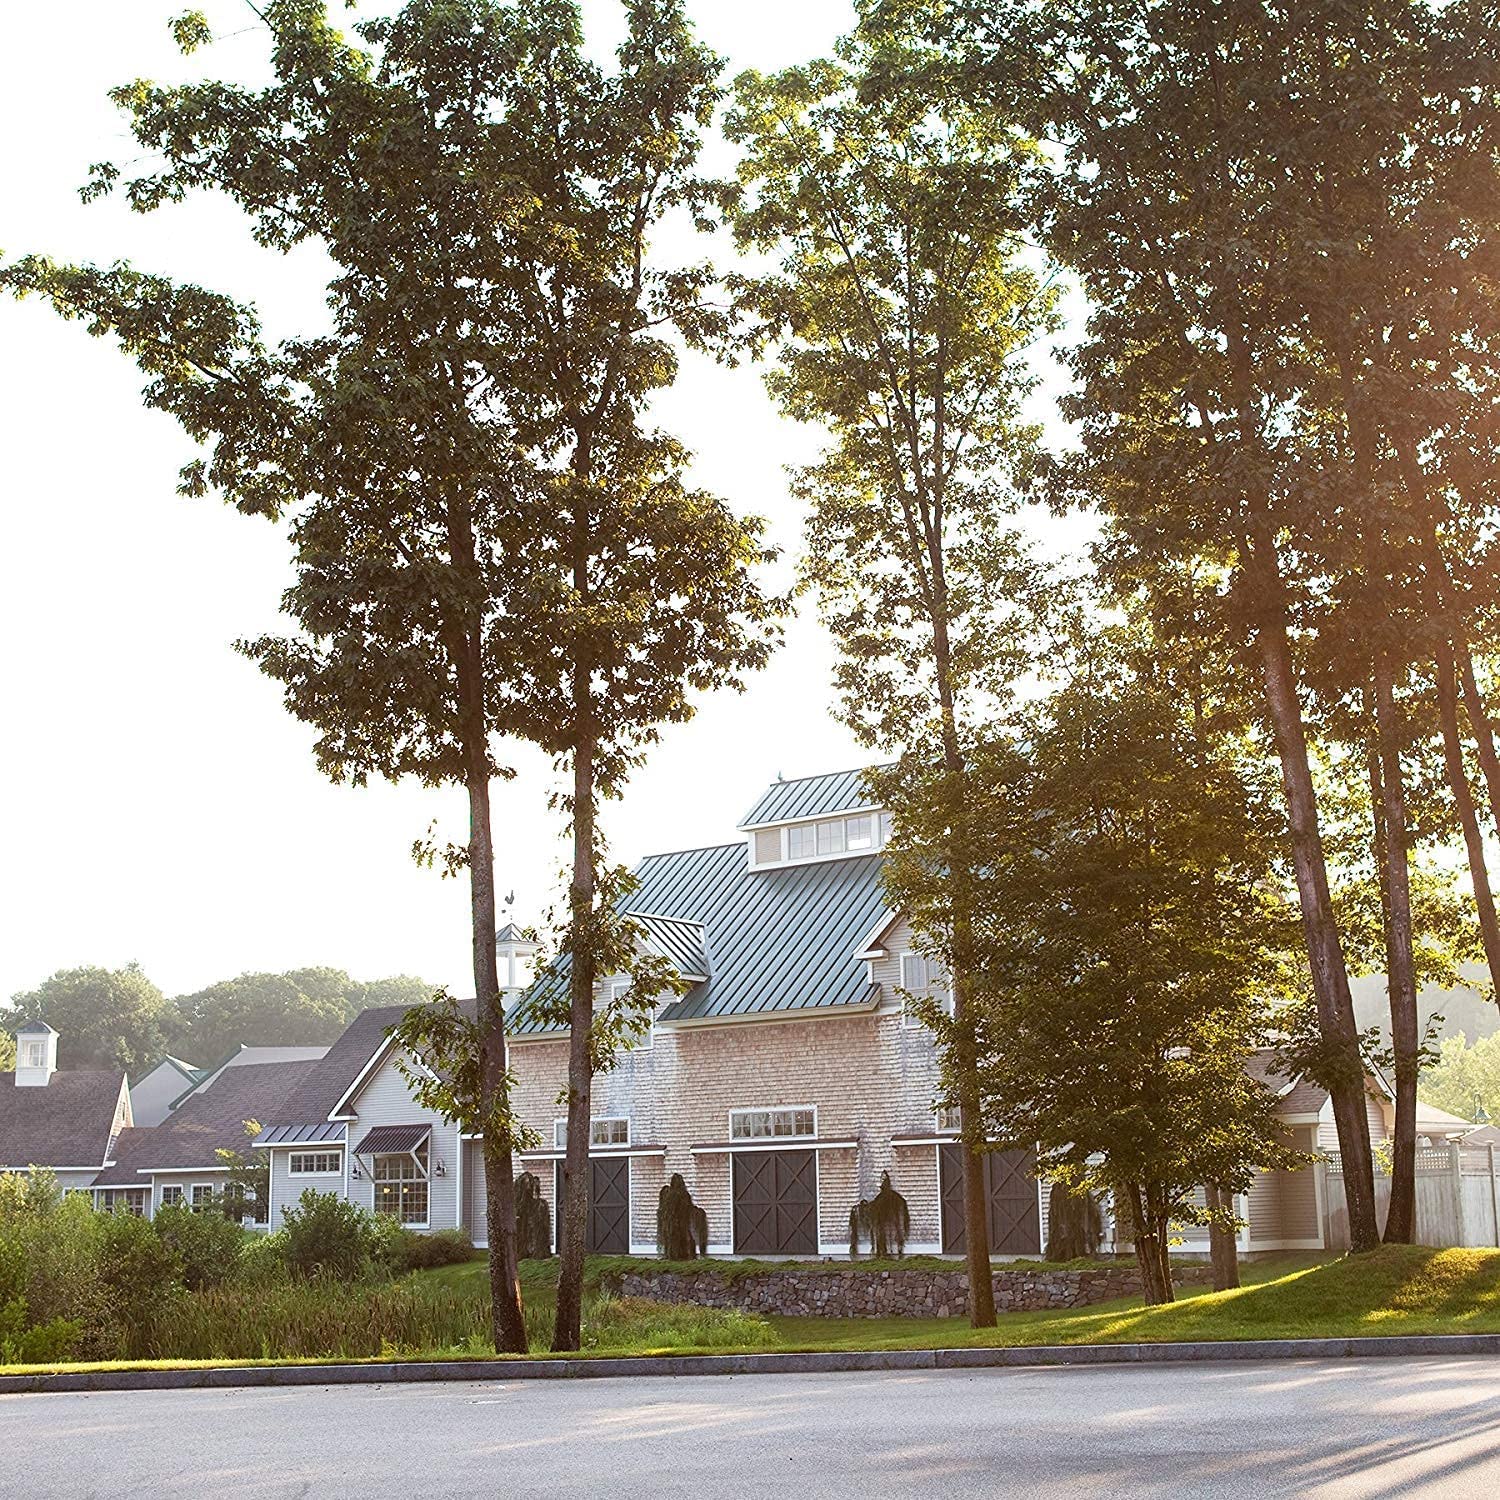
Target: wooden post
pixel 1494 1193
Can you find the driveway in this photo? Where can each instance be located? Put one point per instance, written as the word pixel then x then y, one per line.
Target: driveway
pixel 1337 1428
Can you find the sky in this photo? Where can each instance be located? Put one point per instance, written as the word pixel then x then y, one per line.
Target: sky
pixel 157 802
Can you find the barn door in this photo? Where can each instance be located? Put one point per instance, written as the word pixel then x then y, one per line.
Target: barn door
pixel 775 1202
pixel 609 1205
pixel 1010 1190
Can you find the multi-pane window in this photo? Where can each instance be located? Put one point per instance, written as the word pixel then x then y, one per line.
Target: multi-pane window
pixel 602 1132
pixel 924 976
pixel 315 1163
pixel 171 1195
pixel 400 1180
pixel 830 836
pixel 203 1194
pixel 763 1124
pixel 947 1118
pixel 31 1055
pixel 132 1200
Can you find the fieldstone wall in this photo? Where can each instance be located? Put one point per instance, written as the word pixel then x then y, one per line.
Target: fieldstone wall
pixel 851 1292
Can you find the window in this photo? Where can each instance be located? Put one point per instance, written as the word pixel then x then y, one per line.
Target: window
pixel 171 1195
pixel 859 833
pixel 242 1202
pixel 923 976
pixel 763 1124
pixel 802 841
pixel 602 1132
pixel 32 1055
pixel 947 1118
pixel 401 1186
pixel 132 1200
pixel 203 1194
pixel 830 837
pixel 315 1163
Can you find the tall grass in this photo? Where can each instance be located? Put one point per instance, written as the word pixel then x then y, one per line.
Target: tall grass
pixel 327 1319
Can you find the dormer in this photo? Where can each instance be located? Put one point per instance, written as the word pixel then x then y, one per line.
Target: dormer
pixel 36 1055
pixel 814 818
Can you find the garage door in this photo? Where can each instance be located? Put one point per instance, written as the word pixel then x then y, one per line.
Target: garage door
pixel 1015 1220
pixel 775 1202
pixel 609 1204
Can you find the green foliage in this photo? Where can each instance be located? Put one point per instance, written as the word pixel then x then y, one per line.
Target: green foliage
pixel 1465 1075
pixel 205 1247
pixel 137 1267
pixel 107 1018
pixel 406 1251
pixel 327 1236
pixel 1074 1223
pixel 681 1226
pixel 533 1219
pixel 884 1221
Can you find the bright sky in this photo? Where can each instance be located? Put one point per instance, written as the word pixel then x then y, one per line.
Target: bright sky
pixel 159 804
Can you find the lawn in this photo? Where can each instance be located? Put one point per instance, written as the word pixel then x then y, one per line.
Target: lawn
pixel 1394 1290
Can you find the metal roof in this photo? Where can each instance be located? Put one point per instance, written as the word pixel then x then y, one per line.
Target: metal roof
pixel 781 940
pixel 810 797
pixel 381 1139
pixel 321 1133
pixel 678 940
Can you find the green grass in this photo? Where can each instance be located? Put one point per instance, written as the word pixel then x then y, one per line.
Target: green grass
pixel 1395 1290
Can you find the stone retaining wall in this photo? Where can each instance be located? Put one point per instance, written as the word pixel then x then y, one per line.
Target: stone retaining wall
pixel 855 1293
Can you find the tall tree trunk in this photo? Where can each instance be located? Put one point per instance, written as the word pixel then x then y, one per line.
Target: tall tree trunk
pixel 1483 727
pixel 509 1323
pixel 1150 1240
pixel 1223 1246
pixel 574 1211
pixel 1330 975
pixel 1401 980
pixel 1463 802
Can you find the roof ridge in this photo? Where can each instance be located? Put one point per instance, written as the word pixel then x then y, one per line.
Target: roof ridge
pixel 820 775
pixel 696 849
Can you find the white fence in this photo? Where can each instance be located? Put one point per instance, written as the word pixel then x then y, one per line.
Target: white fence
pixel 1458 1199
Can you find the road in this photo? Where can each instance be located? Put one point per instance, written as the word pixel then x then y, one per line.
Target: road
pixel 1327 1429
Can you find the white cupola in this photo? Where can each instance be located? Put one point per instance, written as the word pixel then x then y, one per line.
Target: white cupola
pixel 36 1055
pixel 515 953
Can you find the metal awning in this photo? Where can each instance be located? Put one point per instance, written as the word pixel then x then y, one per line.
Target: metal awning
pixel 384 1140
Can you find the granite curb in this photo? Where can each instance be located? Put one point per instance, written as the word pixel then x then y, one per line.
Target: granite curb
pixel 833 1362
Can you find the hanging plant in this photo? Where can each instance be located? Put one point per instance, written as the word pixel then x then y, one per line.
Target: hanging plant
pixel 681 1226
pixel 884 1221
pixel 533 1219
pixel 1074 1224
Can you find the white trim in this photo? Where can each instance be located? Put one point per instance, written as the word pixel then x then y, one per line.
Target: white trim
pixel 296 1151
pixel 777 1143
pixel 775 1109
pixel 822 817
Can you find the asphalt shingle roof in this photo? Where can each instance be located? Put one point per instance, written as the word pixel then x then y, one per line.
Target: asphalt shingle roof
pixel 328 1079
pixel 65 1123
pixel 208 1122
pixel 810 797
pixel 778 940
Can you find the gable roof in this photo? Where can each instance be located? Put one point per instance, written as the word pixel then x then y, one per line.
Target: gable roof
pixel 208 1122
pixel 810 797
pixel 66 1122
pixel 184 1070
pixel 334 1074
pixel 779 940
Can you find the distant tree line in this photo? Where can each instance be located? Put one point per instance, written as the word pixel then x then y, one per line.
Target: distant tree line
pixel 117 1018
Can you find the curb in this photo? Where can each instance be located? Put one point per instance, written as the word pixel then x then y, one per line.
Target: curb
pixel 1014 1357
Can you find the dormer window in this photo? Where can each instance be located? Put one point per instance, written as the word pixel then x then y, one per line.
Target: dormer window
pixel 32 1054
pixel 824 838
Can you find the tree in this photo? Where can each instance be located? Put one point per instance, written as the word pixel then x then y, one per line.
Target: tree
pixel 105 1018
pixel 1465 1077
pixel 900 312
pixel 301 1008
pixel 681 1226
pixel 1074 1223
pixel 884 1221
pixel 1187 415
pixel 1132 938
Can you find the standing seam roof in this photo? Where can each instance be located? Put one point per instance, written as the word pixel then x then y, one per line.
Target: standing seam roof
pixel 810 797
pixel 784 939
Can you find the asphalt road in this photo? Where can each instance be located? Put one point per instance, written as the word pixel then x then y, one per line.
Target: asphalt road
pixel 1338 1428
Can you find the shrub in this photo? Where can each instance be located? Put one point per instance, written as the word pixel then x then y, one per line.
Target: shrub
pixel 681 1226
pixel 533 1219
pixel 206 1246
pixel 407 1251
pixel 328 1236
pixel 137 1268
pixel 22 1339
pixel 885 1220
pixel 1074 1223
pixel 263 1260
